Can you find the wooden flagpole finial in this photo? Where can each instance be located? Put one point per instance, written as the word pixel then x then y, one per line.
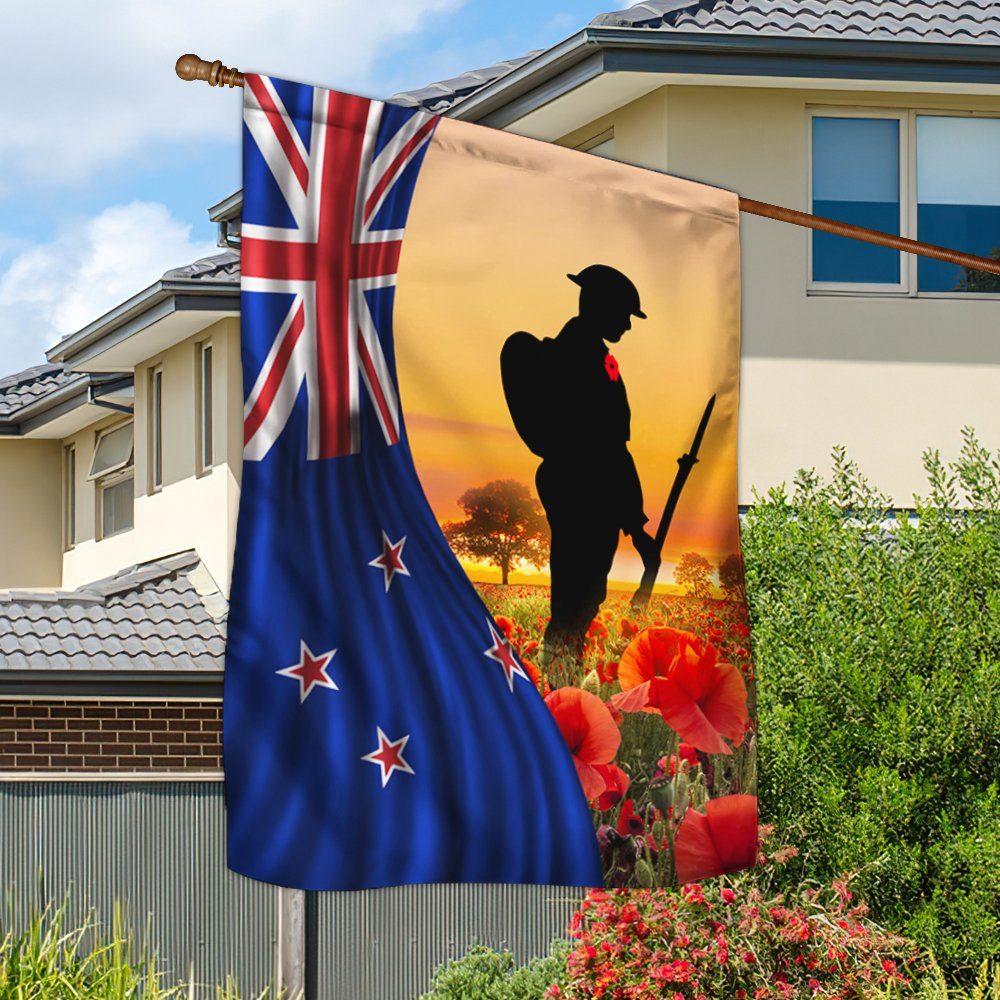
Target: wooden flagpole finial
pixel 191 67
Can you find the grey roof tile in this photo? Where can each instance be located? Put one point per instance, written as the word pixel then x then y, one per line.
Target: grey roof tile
pixel 940 21
pixel 970 21
pixel 22 388
pixel 147 617
pixel 224 266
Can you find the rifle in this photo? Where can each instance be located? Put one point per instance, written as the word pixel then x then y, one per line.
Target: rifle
pixel 684 465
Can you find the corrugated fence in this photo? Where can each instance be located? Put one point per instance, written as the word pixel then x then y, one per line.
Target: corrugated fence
pixel 159 849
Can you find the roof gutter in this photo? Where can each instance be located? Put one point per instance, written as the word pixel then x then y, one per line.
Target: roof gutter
pixel 154 684
pixel 598 49
pixel 86 388
pixel 212 294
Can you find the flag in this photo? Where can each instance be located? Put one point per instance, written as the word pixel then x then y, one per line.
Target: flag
pixel 476 369
pixel 379 729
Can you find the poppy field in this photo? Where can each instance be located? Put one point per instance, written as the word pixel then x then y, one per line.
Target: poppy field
pixel 659 717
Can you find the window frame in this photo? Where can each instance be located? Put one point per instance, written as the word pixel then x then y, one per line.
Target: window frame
pixel 204 418
pixel 903 286
pixel 154 423
pixel 69 497
pixel 607 135
pixel 112 477
pixel 909 262
pixel 126 474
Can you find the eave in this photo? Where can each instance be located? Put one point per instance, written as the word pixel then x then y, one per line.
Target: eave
pixel 176 309
pixel 155 684
pixel 597 51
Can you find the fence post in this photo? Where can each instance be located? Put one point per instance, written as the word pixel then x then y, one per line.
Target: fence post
pixel 290 951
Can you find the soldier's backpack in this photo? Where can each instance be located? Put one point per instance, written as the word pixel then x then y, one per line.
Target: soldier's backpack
pixel 524 370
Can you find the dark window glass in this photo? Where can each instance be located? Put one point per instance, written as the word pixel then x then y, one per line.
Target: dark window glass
pixel 855 179
pixel 958 199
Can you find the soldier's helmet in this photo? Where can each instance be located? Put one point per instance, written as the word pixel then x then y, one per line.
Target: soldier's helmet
pixel 609 285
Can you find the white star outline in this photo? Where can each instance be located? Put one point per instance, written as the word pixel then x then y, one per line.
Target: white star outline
pixel 380 561
pixel 385 743
pixel 509 662
pixel 294 671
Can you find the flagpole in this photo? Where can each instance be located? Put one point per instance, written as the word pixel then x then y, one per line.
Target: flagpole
pixel 191 67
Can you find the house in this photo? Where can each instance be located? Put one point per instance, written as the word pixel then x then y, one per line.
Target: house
pixel 120 456
pixel 883 114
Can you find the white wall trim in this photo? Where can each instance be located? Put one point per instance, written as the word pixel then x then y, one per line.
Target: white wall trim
pixel 28 776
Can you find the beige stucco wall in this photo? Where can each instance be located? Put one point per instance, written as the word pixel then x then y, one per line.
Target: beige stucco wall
pixel 886 377
pixel 189 510
pixel 30 513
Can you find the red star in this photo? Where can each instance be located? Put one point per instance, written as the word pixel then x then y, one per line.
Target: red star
pixel 504 655
pixel 391 560
pixel 310 671
pixel 389 756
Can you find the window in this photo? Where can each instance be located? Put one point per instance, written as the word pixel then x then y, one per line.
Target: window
pixel 205 453
pixel 113 472
pixel 856 179
pixel 600 145
pixel 958 198
pixel 155 429
pixel 69 497
pixel 927 176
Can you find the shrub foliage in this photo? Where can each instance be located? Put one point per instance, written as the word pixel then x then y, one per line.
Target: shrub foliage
pixel 877 643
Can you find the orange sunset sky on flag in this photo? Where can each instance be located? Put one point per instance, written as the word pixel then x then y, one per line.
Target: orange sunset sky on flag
pixel 466 283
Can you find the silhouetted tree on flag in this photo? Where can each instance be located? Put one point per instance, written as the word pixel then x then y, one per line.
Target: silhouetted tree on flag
pixel 694 571
pixel 731 576
pixel 504 525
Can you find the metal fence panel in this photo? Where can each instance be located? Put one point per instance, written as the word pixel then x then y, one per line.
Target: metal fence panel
pixel 159 849
pixel 384 944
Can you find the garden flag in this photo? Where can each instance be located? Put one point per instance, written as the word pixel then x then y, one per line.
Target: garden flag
pixel 487 619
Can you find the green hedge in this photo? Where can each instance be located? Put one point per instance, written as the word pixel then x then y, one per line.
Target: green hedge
pixel 877 642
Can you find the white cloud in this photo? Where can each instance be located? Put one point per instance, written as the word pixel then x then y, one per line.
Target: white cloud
pixel 52 289
pixel 106 88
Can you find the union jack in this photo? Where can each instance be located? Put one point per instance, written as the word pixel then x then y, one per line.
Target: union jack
pixel 336 250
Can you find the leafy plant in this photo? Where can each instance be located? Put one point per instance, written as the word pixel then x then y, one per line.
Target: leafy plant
pixel 51 960
pixel 877 644
pixel 489 975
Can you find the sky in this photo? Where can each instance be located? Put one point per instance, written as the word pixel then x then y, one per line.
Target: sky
pixel 108 162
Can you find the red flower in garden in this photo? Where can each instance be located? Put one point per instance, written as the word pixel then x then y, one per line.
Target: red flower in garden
pixel 701 698
pixel 590 733
pixel 721 839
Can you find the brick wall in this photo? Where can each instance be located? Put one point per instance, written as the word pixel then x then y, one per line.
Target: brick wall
pixel 84 735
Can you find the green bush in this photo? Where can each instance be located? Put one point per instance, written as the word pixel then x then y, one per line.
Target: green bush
pixel 877 642
pixel 51 959
pixel 489 975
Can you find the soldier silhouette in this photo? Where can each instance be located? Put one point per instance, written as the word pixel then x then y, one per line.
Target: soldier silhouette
pixel 568 403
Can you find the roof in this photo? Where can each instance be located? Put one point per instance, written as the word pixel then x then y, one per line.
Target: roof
pixel 23 388
pixel 223 266
pixel 967 21
pixel 438 97
pixel 166 615
pixel 951 22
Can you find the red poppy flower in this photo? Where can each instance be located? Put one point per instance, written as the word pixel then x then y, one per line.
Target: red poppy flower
pixel 701 698
pixel 630 824
pixel 590 733
pixel 615 786
pixel 505 625
pixel 721 839
pixel 611 367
